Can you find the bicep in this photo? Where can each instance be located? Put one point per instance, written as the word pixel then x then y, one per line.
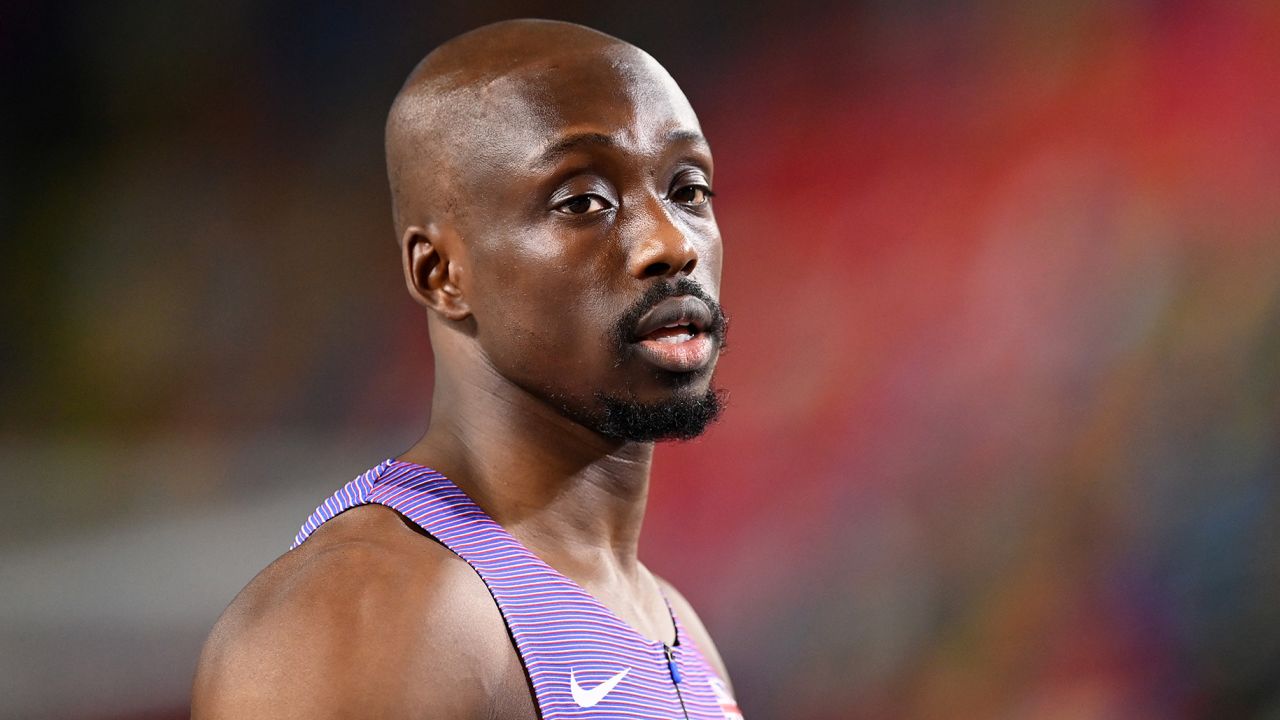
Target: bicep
pixel 329 678
pixel 246 673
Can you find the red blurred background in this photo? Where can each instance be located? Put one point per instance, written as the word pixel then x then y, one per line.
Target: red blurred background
pixel 1004 435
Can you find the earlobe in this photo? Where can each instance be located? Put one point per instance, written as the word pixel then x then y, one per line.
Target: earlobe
pixel 433 273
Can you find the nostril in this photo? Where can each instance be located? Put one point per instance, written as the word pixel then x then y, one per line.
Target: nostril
pixel 657 269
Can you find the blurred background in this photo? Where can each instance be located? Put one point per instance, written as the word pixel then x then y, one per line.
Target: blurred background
pixel 1004 439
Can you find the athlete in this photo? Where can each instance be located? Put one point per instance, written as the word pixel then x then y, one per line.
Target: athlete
pixel 551 190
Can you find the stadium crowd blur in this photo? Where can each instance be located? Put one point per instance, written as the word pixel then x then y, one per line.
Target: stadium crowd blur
pixel 1004 366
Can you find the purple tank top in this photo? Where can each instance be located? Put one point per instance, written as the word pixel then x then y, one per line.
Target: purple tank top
pixel 583 661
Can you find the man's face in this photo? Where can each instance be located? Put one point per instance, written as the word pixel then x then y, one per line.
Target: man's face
pixel 595 253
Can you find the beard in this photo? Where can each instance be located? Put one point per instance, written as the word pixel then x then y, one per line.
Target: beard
pixel 683 416
pixel 680 418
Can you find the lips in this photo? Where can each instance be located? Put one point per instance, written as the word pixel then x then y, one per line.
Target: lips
pixel 673 335
pixel 685 311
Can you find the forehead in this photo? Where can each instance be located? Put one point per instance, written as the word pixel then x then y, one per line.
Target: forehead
pixel 620 93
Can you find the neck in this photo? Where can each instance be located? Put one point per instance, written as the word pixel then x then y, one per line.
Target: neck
pixel 572 496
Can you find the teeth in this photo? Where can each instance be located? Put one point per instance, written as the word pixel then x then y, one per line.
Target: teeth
pixel 673 339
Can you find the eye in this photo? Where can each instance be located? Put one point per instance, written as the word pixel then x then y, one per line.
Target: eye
pixel 693 195
pixel 583 204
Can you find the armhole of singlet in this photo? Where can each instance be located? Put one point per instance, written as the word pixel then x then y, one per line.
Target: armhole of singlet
pixel 408 521
pixel 692 644
pixel 676 625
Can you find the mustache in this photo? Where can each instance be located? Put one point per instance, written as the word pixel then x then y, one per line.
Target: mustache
pixel 625 327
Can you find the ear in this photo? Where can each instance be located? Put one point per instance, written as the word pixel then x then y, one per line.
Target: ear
pixel 432 270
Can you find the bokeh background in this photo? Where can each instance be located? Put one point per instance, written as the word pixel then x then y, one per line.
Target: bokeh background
pixel 1005 370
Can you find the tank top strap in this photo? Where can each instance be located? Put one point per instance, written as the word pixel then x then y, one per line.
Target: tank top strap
pixel 582 660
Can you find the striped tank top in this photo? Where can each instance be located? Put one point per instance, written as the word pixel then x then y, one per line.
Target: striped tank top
pixel 582 660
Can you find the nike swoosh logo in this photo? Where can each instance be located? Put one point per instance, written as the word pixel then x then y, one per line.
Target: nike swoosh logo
pixel 588 698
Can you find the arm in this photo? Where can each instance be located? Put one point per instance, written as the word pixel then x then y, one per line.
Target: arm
pixel 361 621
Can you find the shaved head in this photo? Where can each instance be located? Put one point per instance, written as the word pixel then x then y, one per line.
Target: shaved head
pixel 454 107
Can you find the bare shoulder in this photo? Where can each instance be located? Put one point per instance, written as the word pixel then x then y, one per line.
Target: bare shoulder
pixel 693 625
pixel 368 618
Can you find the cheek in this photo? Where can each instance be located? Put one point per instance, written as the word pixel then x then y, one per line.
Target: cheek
pixel 713 261
pixel 710 264
pixel 542 323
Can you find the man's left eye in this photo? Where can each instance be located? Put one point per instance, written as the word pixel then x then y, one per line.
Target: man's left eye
pixel 693 195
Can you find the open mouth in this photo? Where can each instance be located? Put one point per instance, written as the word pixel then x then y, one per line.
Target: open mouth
pixel 673 335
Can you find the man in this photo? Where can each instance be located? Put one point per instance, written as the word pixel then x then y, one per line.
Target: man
pixel 551 191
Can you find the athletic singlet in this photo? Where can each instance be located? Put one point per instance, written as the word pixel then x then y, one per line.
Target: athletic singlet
pixel 582 660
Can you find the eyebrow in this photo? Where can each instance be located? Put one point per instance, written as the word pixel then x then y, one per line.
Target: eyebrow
pixel 566 145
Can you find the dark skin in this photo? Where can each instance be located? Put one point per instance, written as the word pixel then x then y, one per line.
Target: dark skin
pixel 544 177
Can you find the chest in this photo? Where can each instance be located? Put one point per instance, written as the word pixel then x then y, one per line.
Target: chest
pixel 594 694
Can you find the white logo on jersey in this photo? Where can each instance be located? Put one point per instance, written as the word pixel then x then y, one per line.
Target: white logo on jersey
pixel 588 698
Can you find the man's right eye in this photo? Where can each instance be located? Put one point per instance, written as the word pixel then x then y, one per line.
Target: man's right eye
pixel 583 204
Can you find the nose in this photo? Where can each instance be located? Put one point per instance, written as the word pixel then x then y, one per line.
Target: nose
pixel 665 251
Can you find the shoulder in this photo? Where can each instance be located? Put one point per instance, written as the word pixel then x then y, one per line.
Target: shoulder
pixel 367 618
pixel 696 630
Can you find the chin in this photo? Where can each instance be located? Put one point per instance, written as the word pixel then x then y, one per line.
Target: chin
pixel 679 416
pixel 697 381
